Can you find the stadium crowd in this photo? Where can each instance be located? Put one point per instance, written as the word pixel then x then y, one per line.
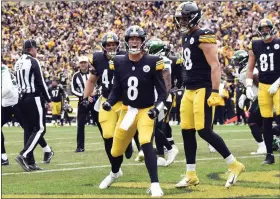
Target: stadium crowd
pixel 65 30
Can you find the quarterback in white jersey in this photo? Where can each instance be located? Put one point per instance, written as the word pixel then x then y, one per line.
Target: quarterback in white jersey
pixel 240 60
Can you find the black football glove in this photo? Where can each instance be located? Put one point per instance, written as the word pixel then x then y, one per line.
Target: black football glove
pixel 153 113
pixel 84 103
pixel 106 106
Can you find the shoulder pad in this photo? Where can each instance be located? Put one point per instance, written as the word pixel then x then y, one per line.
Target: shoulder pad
pixel 60 86
pixel 207 36
pixel 96 55
pixel 159 64
pixel 93 71
pixel 254 39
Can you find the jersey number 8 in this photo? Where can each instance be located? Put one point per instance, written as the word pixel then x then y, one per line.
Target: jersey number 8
pixel 187 57
pixel 132 91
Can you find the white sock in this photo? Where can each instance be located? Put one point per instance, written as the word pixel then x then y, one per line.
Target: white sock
pixel 230 159
pixel 4 156
pixel 261 144
pixel 47 149
pixel 191 167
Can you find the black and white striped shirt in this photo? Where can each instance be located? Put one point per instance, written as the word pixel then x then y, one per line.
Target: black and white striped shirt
pixel 29 77
pixel 78 83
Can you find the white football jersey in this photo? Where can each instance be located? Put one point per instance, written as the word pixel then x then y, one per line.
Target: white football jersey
pixel 242 78
pixel 9 87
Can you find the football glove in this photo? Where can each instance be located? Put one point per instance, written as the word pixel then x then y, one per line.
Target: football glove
pixel 106 106
pixel 250 93
pixel 153 113
pixel 241 101
pixel 85 103
pixel 214 99
pixel 274 87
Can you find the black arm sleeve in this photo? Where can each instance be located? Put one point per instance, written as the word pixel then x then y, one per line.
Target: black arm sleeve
pixel 74 87
pixel 160 87
pixel 39 80
pixel 115 94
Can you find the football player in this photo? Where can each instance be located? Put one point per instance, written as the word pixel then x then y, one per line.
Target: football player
pixel 239 61
pixel 266 53
pixel 157 47
pixel 107 120
pixel 58 94
pixel 202 80
pixel 135 77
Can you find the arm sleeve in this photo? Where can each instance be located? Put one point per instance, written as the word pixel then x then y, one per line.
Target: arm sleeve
pixel 74 86
pixel 159 83
pixel 115 94
pixel 39 80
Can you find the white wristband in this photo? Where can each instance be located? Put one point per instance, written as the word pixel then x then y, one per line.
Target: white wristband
pixel 249 82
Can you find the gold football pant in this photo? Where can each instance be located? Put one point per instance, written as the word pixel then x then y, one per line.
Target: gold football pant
pixel 267 101
pixel 122 138
pixel 194 111
pixel 108 119
pixel 56 108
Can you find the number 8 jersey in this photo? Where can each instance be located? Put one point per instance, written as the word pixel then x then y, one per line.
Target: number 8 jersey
pixel 197 69
pixel 267 59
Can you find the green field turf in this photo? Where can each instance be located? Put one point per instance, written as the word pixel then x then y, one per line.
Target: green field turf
pixel 71 175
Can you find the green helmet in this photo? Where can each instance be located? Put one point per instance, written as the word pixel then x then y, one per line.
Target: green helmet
pixel 240 59
pixel 155 46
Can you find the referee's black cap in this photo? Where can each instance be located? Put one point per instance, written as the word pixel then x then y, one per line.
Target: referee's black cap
pixel 30 43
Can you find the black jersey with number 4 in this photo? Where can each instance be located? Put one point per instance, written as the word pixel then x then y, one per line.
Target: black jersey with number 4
pixel 57 92
pixel 100 63
pixel 134 82
pixel 268 60
pixel 197 69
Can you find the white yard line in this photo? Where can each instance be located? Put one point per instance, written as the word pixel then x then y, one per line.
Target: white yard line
pixel 135 164
pixel 73 163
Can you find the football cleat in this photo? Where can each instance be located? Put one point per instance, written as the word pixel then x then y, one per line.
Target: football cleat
pixel 23 162
pixel 260 151
pixel 269 159
pixel 155 190
pixel 175 148
pixel 161 162
pixel 4 162
pixel 112 177
pixel 34 167
pixel 140 157
pixel 211 148
pixel 47 157
pixel 171 155
pixel 235 169
pixel 190 179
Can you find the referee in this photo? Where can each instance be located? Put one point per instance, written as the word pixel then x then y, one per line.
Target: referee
pixel 34 94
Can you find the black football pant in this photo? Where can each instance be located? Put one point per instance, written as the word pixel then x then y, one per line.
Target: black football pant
pixel 34 124
pixel 7 113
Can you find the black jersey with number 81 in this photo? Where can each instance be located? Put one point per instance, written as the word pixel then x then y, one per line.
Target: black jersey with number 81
pixel 268 60
pixel 197 69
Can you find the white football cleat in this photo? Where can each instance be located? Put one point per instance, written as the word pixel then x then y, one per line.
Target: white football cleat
pixel 260 151
pixel 161 162
pixel 155 190
pixel 112 177
pixel 175 148
pixel 211 148
pixel 140 157
pixel 171 155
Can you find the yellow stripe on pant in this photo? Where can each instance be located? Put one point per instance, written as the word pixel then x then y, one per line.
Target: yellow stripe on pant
pixel 267 101
pixel 108 119
pixel 122 138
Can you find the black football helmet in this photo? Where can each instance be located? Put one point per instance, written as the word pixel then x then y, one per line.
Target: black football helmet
pixel 266 23
pixel 134 31
pixel 187 16
pixel 107 38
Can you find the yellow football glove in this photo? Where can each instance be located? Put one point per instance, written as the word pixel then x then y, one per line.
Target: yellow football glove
pixel 214 99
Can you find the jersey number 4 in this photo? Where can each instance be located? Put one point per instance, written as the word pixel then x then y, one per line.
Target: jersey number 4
pixel 105 78
pixel 132 91
pixel 187 59
pixel 264 62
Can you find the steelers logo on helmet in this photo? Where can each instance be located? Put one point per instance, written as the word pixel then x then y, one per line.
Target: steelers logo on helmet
pixel 132 42
pixel 110 44
pixel 266 29
pixel 187 16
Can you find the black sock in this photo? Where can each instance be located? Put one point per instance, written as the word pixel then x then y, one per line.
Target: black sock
pixel 116 162
pixel 215 140
pixel 255 130
pixel 168 133
pixel 108 146
pixel 159 143
pixel 136 139
pixel 3 150
pixel 190 145
pixel 150 161
pixel 267 135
